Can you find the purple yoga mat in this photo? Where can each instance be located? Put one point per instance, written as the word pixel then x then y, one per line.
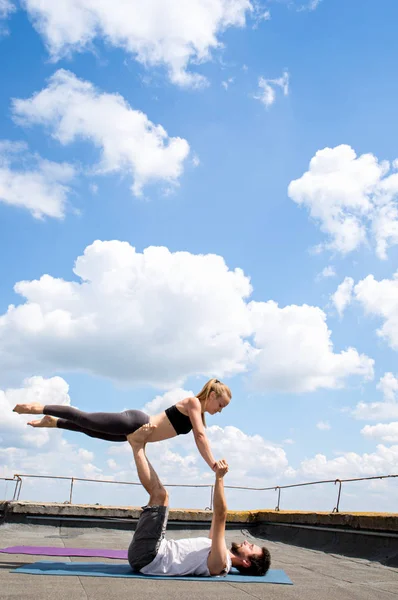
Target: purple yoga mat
pixel 51 551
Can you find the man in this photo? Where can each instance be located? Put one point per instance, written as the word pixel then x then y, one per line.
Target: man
pixel 151 554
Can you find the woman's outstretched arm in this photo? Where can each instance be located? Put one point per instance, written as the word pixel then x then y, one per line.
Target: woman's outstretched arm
pixel 195 415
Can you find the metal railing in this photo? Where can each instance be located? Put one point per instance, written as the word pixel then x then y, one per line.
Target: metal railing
pixel 278 488
pixel 13 480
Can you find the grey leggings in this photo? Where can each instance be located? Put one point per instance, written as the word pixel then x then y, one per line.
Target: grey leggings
pixel 112 427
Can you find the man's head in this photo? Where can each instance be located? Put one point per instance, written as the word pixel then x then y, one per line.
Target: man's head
pixel 250 559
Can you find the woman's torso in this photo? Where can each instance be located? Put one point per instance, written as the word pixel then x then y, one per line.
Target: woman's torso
pixel 164 428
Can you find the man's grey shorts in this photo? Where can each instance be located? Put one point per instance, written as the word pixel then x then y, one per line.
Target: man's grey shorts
pixel 150 531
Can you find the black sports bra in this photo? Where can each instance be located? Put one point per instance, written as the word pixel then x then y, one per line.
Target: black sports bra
pixel 180 422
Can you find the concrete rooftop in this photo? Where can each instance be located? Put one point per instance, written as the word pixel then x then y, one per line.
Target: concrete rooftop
pixel 316 575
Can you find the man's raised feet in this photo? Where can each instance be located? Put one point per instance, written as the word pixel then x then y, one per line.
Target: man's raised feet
pixel 29 409
pixel 46 421
pixel 141 435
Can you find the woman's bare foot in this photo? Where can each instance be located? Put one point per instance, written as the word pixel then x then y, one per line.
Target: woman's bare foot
pixel 141 435
pixel 29 409
pixel 46 421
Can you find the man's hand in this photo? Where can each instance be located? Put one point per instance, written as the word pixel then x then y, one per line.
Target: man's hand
pixel 221 468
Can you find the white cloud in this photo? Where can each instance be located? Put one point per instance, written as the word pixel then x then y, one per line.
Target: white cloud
pixel 37 185
pixel 296 352
pixel 179 457
pixel 350 464
pixel 129 142
pixel 6 8
pixel 13 427
pixel 323 425
pixel 259 14
pixel 380 298
pixel 112 464
pixel 157 317
pixel 354 199
pixel 312 5
pixel 168 33
pixel 260 458
pixel 227 83
pixel 328 271
pixel 376 411
pixel 40 451
pixel 380 411
pixel 267 94
pixel 388 384
pixel 385 432
pixel 154 317
pixel 343 295
pixel 160 403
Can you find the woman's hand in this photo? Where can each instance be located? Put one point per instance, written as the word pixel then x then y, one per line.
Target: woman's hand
pixel 221 467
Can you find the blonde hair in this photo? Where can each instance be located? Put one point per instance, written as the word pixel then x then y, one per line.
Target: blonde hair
pixel 213 385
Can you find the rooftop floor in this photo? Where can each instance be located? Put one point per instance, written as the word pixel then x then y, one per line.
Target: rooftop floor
pixel 316 575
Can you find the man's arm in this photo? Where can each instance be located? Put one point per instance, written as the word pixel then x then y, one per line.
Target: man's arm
pixel 217 560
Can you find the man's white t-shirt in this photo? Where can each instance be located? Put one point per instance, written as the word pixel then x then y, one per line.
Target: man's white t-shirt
pixel 183 557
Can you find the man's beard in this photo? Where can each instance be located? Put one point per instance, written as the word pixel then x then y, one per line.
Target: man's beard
pixel 235 548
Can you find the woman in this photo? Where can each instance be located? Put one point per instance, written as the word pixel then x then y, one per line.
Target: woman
pixel 114 427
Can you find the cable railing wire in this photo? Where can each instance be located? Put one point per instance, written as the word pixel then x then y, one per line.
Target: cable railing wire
pixel 18 479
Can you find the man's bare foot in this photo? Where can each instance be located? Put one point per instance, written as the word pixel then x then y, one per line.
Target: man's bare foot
pixel 140 437
pixel 46 421
pixel 29 409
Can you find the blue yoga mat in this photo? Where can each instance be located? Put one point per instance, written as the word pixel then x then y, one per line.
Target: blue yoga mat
pixel 83 569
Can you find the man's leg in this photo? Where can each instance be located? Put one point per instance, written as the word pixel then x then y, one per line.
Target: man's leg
pixel 158 495
pixel 151 526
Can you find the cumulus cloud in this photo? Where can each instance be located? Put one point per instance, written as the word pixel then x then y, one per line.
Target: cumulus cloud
pixel 260 458
pixel 225 84
pixel 388 385
pixel 128 141
pixel 343 295
pixel 33 183
pixel 13 428
pixel 295 352
pixel 310 6
pixel 387 432
pixel 353 198
pixel 41 451
pixel 350 464
pixel 165 33
pixel 154 317
pixel 376 411
pixel 384 410
pixel 160 403
pixel 323 425
pixel 268 88
pixel 157 317
pixel 6 8
pixel 328 271
pixel 380 298
pixel 179 457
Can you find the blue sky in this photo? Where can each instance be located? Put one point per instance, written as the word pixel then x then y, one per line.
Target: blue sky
pixel 245 100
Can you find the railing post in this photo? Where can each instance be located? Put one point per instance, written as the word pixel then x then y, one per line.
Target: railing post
pixel 18 487
pixel 71 490
pixel 279 497
pixel 211 498
pixel 336 508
